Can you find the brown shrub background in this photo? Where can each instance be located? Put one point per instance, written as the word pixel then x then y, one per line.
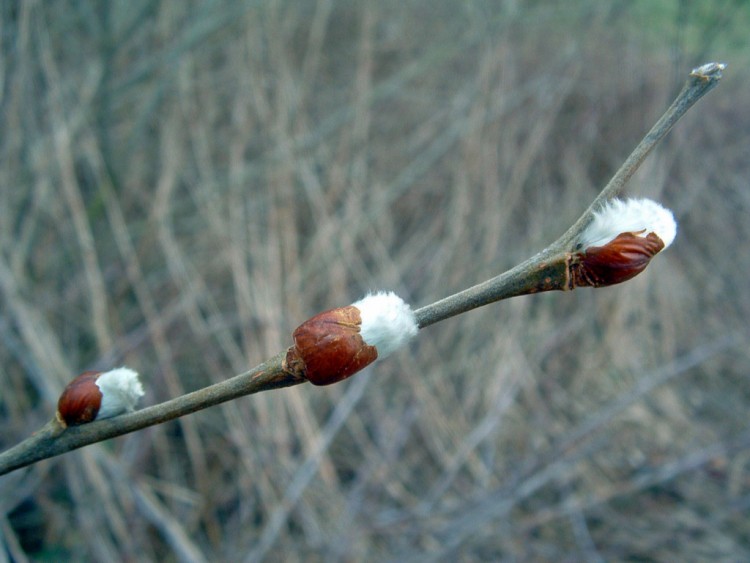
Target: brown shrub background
pixel 182 183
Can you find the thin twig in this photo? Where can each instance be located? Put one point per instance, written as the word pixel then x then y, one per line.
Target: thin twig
pixel 699 83
pixel 544 271
pixel 54 440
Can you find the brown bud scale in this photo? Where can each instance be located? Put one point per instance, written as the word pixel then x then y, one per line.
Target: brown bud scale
pixel 80 400
pixel 329 347
pixel 621 259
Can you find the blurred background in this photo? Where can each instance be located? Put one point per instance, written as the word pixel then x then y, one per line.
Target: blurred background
pixel 183 183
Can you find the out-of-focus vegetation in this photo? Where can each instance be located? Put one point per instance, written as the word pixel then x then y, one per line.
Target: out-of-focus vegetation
pixel 182 183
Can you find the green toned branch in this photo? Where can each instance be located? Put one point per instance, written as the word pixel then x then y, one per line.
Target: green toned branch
pixel 548 270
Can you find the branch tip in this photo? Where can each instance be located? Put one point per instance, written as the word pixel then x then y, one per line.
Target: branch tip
pixel 709 72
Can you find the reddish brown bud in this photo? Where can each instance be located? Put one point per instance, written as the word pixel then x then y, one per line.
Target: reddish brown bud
pixel 329 347
pixel 80 400
pixel 621 259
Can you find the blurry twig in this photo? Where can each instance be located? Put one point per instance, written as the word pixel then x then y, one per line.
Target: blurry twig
pixel 310 467
pixel 542 272
pixel 649 477
pixel 560 462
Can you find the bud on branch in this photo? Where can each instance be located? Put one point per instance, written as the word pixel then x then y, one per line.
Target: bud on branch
pixel 96 395
pixel 620 241
pixel 336 344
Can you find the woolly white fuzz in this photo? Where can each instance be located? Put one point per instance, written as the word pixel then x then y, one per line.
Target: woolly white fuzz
pixel 387 321
pixel 120 390
pixel 637 216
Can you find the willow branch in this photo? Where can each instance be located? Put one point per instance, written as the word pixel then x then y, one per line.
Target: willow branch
pixel 54 439
pixel 701 80
pixel 548 270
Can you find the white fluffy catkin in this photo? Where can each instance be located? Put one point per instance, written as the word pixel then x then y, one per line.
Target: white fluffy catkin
pixel 387 321
pixel 637 216
pixel 120 390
